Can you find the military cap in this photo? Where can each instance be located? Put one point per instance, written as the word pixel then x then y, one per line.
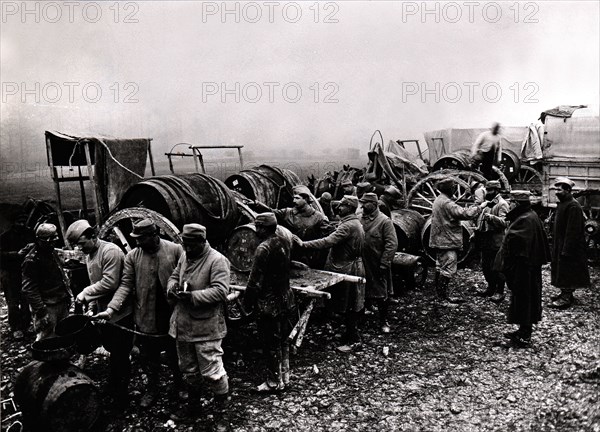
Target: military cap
pixel 303 191
pixel 145 227
pixel 265 219
pixel 493 184
pixel 46 232
pixel 76 229
pixel 564 181
pixel 369 197
pixel 520 195
pixel 349 200
pixel 194 231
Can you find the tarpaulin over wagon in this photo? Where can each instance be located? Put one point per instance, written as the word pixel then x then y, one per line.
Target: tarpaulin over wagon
pixel 576 137
pixel 462 139
pixel 119 163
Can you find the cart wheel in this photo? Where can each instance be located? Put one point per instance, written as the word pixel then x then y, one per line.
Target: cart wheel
pixel 590 203
pixel 528 179
pixel 119 225
pixel 424 192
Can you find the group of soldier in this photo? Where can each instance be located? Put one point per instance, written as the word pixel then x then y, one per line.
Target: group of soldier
pixel 172 296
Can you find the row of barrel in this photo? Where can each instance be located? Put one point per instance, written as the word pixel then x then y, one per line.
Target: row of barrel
pixel 204 199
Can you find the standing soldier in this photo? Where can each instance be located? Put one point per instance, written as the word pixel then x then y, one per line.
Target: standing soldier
pixel 487 150
pixel 569 261
pixel 381 244
pixel 104 265
pixel 145 274
pixel 490 232
pixel 11 242
pixel 269 292
pixel 389 200
pixel 345 256
pixel 446 235
pixel 44 282
pixel 524 250
pixel 199 286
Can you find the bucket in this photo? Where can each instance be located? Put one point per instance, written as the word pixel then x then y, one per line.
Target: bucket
pixel 463 254
pixel 270 185
pixel 190 198
pixel 53 349
pixel 81 331
pixel 408 225
pixel 56 397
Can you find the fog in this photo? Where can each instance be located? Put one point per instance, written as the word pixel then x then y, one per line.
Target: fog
pixel 173 71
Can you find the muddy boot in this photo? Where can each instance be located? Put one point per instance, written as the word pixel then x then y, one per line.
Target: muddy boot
pixel 149 398
pixel 454 299
pixel 564 302
pixel 488 292
pixel 222 423
pixel 498 296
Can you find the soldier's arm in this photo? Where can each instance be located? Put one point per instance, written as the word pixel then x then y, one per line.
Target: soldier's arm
pixel 112 266
pixel 390 243
pixel 31 288
pixel 573 232
pixel 499 221
pixel 332 239
pixel 126 286
pixel 218 289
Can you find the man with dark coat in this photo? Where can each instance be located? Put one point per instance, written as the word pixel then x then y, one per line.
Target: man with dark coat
pixel 269 293
pixel 522 254
pixel 198 287
pixel 446 235
pixel 104 266
pixel 345 256
pixel 146 271
pixel 11 242
pixel 381 244
pixel 490 232
pixel 44 283
pixel 569 261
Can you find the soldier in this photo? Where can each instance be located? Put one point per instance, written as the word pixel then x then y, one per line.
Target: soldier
pixel 381 244
pixel 446 235
pixel 490 232
pixel 104 266
pixel 146 271
pixel 269 293
pixel 523 252
pixel 487 150
pixel 198 287
pixel 11 242
pixel 44 283
pixel 345 256
pixel 325 202
pixel 389 200
pixel 569 260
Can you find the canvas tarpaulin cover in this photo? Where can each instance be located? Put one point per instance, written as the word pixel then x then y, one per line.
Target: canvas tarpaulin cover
pixel 576 136
pixel 119 163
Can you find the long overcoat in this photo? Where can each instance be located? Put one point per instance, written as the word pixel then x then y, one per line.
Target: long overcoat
pixel 381 244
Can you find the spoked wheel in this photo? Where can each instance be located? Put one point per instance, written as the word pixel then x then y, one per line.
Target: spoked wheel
pixel 590 203
pixel 424 192
pixel 528 179
pixel 119 225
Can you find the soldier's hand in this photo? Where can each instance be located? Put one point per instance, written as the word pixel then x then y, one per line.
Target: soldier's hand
pixel 296 240
pixel 184 296
pixel 106 315
pixel 81 297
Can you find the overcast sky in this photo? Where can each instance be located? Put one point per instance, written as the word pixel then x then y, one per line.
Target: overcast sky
pixel 359 66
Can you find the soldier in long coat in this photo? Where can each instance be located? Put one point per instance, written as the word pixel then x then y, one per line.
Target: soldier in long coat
pixel 523 252
pixel 381 244
pixel 569 261
pixel 345 256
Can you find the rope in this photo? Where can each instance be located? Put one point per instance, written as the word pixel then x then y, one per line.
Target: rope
pixel 109 154
pixel 139 333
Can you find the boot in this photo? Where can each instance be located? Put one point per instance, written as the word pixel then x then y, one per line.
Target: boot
pixel 444 287
pixel 221 413
pixel 488 292
pixel 151 394
pixel 383 308
pixel 564 302
pixel 189 412
pixel 499 296
pixel 441 286
pixel 285 366
pixel 351 336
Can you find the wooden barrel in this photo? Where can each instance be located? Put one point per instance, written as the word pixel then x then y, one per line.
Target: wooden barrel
pixel 511 164
pixel 242 244
pixel 270 185
pixel 190 198
pixel 408 225
pixel 57 397
pixel 463 254
pixel 458 160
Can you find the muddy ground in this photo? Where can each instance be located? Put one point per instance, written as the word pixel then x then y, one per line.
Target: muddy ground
pixel 448 368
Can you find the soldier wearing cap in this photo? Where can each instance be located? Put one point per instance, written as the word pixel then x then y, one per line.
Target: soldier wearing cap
pixel 363 188
pixel 390 200
pixel 381 244
pixel 304 221
pixel 44 282
pixel 569 269
pixel 198 287
pixel 446 235
pixel 146 270
pixel 104 266
pixel 345 246
pixel 347 187
pixel 523 252
pixel 269 293
pixel 491 224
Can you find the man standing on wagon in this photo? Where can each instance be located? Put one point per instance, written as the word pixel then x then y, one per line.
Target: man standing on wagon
pixel 569 260
pixel 487 150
